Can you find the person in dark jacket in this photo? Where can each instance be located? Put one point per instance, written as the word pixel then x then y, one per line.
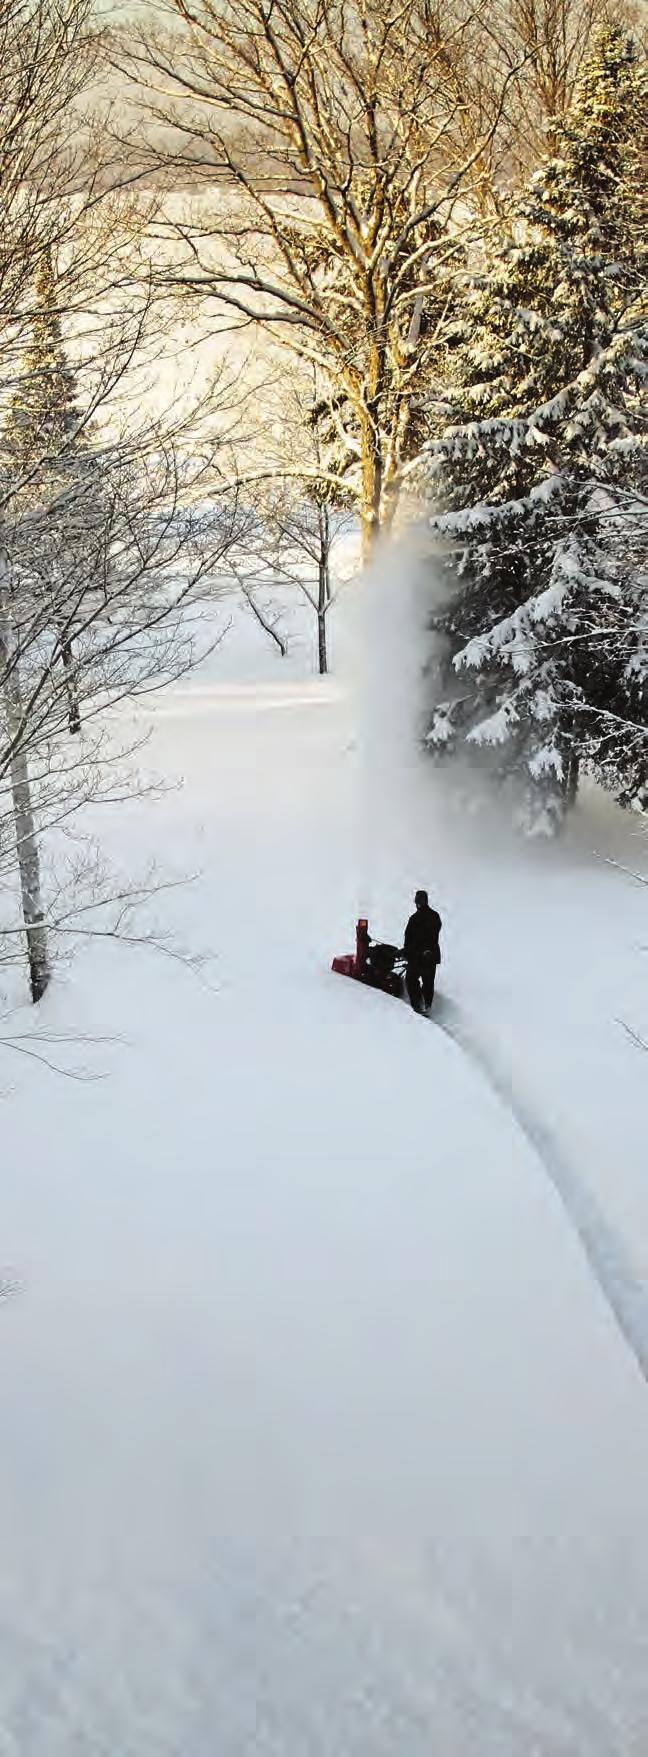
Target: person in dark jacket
pixel 422 953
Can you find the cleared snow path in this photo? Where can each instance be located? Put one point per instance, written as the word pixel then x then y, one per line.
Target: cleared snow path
pixel 318 1436
pixel 606 1252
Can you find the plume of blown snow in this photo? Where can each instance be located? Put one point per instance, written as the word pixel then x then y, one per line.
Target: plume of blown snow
pixel 413 808
pixel 388 646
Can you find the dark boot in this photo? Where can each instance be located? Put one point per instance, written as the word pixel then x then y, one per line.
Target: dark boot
pixel 413 986
pixel 429 978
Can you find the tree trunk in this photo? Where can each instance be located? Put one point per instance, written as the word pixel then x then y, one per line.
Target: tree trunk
pixel 27 852
pixel 396 449
pixel 263 621
pixel 324 587
pixel 390 501
pixel 371 492
pixel 321 644
pixel 571 763
pixel 62 628
pixel 573 775
pixel 67 660
pixel 30 878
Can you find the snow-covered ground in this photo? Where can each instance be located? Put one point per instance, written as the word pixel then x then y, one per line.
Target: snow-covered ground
pixel 320 1434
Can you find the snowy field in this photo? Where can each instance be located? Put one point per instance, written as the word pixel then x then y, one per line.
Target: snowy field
pixel 325 1429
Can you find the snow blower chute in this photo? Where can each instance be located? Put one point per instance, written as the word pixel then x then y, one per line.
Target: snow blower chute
pixel 375 964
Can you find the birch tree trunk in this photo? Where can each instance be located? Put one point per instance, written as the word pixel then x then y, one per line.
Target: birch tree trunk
pixel 27 852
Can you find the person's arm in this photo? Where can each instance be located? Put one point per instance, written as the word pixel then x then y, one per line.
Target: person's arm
pixel 407 942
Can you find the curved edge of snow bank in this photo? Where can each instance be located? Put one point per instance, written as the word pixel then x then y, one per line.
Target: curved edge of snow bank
pixel 603 1246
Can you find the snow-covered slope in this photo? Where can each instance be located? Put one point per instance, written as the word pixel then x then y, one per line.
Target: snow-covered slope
pixel 319 1434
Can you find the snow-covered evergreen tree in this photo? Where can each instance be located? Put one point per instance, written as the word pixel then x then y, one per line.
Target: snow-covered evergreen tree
pixel 541 479
pixel 44 422
pixel 53 488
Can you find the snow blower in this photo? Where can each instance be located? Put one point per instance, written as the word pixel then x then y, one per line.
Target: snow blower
pixel 377 965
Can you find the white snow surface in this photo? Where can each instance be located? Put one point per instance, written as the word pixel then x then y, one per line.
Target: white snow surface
pixel 324 1423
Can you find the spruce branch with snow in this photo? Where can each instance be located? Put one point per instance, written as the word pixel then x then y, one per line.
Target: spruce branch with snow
pixel 541 478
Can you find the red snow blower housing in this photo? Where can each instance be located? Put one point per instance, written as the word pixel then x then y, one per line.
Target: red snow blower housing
pixel 378 965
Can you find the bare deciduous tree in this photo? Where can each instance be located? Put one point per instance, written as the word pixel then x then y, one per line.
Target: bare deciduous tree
pixel 555 37
pixel 340 129
pixel 291 544
pixel 134 605
pixel 103 563
pixel 298 519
